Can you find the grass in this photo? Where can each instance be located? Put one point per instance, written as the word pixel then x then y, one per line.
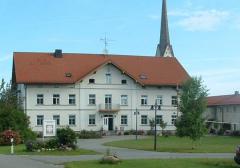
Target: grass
pixel 168 163
pixel 208 144
pixel 21 150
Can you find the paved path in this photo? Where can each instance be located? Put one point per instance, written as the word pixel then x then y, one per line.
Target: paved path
pixel 8 161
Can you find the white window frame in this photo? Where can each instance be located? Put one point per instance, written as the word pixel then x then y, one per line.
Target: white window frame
pixel 174 118
pixel 124 120
pixel 108 78
pixel 124 100
pixel 72 120
pixel 72 99
pixel 56 99
pixel 57 119
pixel 174 101
pixel 92 99
pixel 158 119
pixel 40 99
pixel 144 100
pixel 92 119
pixel 144 119
pixel 40 119
pixel 159 100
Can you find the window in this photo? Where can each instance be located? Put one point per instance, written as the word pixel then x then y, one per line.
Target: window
pixel 57 119
pixel 40 99
pixel 158 119
pixel 108 78
pixel 174 118
pixel 124 100
pixel 72 99
pixel 174 101
pixel 124 120
pixel 56 99
pixel 92 99
pixel 159 100
pixel 91 80
pixel 144 100
pixel 124 81
pixel 40 119
pixel 144 120
pixel 92 120
pixel 72 120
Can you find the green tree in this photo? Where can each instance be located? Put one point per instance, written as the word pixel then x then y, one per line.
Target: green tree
pixel 11 114
pixel 163 125
pixel 193 103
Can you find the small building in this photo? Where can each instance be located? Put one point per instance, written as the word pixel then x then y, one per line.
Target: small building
pixel 224 111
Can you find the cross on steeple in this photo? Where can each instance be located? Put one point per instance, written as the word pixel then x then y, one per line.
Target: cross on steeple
pixel 164 48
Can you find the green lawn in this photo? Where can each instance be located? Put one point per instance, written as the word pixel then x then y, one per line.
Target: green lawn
pixel 168 163
pixel 20 150
pixel 208 144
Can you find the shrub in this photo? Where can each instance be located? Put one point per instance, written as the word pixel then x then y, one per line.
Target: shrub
pixel 150 132
pixel 32 145
pixel 5 137
pixel 52 144
pixel 66 136
pixel 235 133
pixel 126 133
pixel 89 134
pixel 28 134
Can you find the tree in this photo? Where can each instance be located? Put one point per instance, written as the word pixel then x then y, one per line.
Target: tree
pixel 152 124
pixel 163 125
pixel 193 103
pixel 11 114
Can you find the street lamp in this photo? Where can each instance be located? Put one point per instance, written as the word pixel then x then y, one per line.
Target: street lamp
pixel 155 107
pixel 136 113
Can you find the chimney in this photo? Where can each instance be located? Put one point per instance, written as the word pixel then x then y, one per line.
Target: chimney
pixel 236 93
pixel 58 53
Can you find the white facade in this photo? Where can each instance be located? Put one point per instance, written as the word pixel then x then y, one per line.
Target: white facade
pixel 108 89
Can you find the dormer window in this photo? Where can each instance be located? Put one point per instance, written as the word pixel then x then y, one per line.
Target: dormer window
pixel 124 81
pixel 91 80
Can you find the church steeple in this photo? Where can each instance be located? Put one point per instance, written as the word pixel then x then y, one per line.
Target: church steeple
pixel 164 48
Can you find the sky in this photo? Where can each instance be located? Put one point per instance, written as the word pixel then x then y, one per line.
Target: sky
pixel 205 34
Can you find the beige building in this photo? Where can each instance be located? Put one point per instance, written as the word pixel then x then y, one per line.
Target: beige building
pixel 224 111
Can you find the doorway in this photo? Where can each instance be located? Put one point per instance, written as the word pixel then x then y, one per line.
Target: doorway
pixel 108 123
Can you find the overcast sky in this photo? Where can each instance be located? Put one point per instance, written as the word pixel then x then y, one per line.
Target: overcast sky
pixel 205 34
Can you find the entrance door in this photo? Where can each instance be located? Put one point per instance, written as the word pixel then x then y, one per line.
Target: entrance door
pixel 108 102
pixel 105 124
pixel 110 123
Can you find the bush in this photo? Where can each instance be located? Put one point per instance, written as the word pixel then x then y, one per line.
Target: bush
pixel 28 134
pixel 150 132
pixel 32 145
pixel 5 137
pixel 235 133
pixel 66 136
pixel 89 134
pixel 52 144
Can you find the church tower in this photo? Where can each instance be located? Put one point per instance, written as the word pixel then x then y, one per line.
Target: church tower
pixel 164 48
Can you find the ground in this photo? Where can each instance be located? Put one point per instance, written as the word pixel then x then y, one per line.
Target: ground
pixel 208 144
pixel 36 161
pixel 173 163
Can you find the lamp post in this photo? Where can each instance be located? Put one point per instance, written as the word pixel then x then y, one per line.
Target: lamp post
pixel 136 113
pixel 155 107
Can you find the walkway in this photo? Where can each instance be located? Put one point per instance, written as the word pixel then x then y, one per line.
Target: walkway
pixel 7 161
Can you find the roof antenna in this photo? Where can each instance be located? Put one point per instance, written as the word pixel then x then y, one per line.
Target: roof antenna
pixel 106 42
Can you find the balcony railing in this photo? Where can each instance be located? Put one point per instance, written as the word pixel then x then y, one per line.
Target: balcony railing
pixel 109 107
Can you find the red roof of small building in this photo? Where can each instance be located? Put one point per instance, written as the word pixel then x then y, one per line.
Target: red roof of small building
pixel 224 100
pixel 44 68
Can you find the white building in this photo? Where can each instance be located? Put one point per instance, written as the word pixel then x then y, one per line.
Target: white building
pixel 97 91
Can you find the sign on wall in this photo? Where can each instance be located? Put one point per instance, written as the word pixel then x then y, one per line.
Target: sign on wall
pixel 49 128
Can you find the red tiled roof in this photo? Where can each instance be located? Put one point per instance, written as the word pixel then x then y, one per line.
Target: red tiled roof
pixel 224 100
pixel 35 68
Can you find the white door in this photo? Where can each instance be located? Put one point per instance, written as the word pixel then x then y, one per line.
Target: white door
pixel 105 124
